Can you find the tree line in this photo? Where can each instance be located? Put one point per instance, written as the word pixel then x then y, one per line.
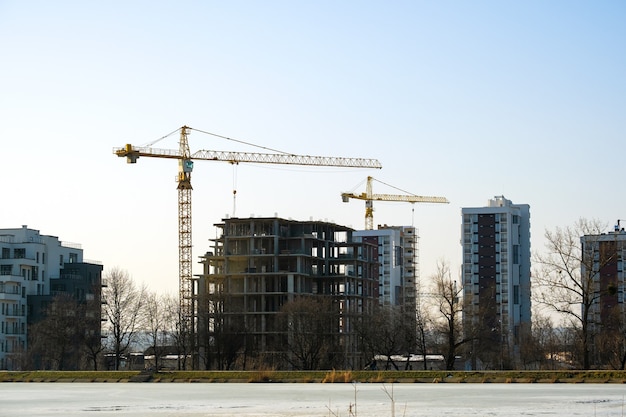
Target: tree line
pixel 563 286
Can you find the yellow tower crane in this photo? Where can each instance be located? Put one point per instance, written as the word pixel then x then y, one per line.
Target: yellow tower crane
pixel 185 167
pixel 369 198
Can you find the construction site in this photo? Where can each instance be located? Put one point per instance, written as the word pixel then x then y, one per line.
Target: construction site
pixel 287 294
pixel 259 265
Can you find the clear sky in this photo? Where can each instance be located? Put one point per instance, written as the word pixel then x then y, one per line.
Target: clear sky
pixel 461 99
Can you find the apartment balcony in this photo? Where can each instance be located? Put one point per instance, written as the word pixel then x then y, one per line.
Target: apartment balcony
pixel 20 256
pixel 8 276
pixel 10 295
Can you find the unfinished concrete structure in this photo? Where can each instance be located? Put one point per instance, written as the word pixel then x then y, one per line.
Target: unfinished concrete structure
pixel 258 265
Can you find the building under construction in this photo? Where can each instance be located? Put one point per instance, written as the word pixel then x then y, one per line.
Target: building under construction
pixel 259 266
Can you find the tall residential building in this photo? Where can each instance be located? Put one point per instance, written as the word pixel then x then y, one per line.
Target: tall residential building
pixel 258 266
pixel 397 267
pixel 33 269
pixel 603 267
pixel 496 282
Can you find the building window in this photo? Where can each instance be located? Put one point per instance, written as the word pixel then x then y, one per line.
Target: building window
pixel 5 269
pixel 516 294
pixel 19 253
pixel 6 253
pixel 73 257
pixel 398 256
pixel 61 260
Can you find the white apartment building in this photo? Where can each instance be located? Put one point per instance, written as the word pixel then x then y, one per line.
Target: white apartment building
pixel 28 262
pixel 398 266
pixel 496 280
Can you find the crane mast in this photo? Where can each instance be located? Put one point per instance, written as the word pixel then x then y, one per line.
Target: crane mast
pixel 185 166
pixel 185 159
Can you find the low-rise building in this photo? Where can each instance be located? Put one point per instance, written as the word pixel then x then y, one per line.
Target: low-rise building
pixel 33 269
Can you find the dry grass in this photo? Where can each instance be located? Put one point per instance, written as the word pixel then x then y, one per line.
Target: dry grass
pixel 334 376
pixel 266 375
pixel 338 376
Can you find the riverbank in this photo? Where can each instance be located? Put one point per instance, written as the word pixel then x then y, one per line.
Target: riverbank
pixel 574 377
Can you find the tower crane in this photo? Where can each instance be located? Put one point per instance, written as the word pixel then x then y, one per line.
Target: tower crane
pixel 369 198
pixel 185 167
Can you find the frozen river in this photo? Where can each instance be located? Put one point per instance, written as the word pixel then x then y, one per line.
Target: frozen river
pixel 319 400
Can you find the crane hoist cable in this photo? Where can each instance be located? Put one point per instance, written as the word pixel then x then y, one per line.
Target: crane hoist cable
pixel 240 141
pixel 149 144
pixel 234 189
pixel 405 192
pixel 389 185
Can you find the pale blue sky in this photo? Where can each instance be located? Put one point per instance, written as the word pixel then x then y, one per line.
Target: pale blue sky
pixel 460 99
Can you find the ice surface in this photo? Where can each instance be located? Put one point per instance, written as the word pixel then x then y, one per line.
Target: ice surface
pixel 310 400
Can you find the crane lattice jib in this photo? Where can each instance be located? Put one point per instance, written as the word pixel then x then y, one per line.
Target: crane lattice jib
pixel 185 166
pixel 370 197
pixel 397 197
pixel 134 152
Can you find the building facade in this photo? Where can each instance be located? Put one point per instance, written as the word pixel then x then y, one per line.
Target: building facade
pixel 259 265
pixel 496 282
pixel 397 267
pixel 603 266
pixel 33 269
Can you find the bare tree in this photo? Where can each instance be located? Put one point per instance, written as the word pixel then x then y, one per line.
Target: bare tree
pixel 312 326
pixel 611 341
pixel 388 331
pixel 182 335
pixel 160 323
pixel 92 341
pixel 55 341
pixel 446 297
pixel 541 349
pixel 124 302
pixel 421 334
pixel 566 275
